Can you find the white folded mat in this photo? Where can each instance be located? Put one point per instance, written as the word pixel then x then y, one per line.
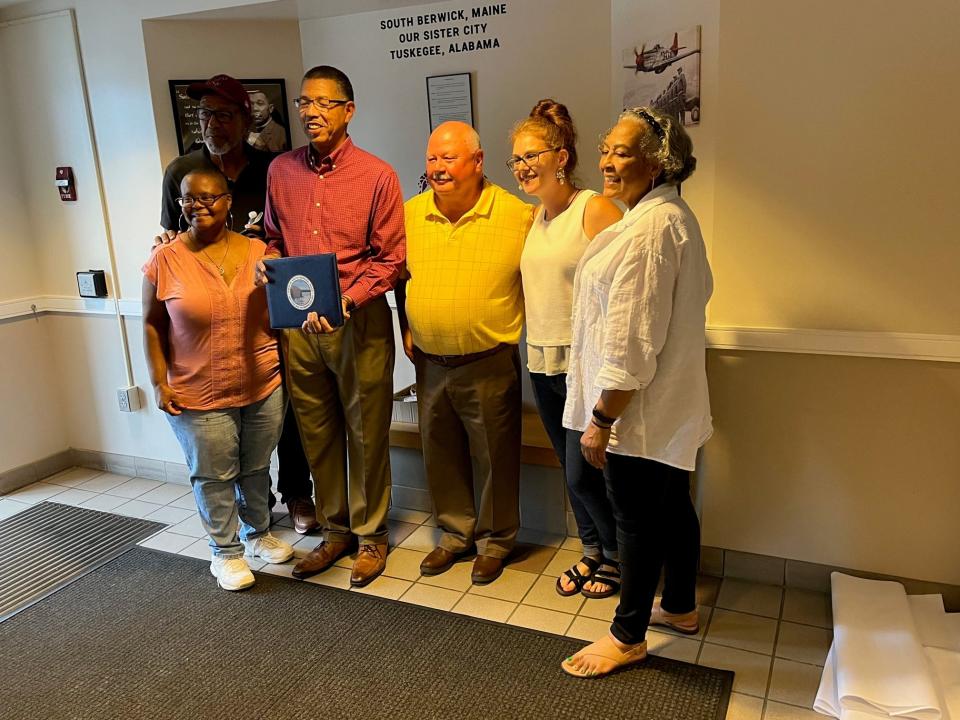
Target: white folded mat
pixel 945 667
pixel 877 666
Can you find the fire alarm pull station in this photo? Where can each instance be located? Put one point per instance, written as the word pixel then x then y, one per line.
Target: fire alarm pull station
pixel 65 184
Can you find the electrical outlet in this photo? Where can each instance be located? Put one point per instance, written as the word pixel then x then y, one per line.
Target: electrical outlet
pixel 129 399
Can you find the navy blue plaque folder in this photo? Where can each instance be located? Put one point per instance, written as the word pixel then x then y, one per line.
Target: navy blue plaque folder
pixel 301 285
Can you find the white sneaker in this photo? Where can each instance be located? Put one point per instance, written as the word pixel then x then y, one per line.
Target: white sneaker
pixel 269 548
pixel 231 573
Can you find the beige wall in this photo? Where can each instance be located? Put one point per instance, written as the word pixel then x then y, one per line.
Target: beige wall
pixel 837 196
pixel 843 461
pixel 184 49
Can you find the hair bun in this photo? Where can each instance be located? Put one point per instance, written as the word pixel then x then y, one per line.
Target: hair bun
pixel 553 111
pixel 551 120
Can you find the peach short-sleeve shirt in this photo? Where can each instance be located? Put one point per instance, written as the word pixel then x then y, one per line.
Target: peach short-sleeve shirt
pixel 221 350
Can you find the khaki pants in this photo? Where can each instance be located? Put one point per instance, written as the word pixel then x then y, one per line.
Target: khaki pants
pixel 473 410
pixel 341 387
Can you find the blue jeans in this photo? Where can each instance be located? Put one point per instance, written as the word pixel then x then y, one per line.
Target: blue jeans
pixel 228 454
pixel 585 483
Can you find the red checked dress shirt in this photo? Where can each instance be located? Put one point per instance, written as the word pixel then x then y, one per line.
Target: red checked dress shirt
pixel 348 203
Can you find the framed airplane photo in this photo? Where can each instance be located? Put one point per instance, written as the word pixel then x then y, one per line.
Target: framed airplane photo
pixel 664 72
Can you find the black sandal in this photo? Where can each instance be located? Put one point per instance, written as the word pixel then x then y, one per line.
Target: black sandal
pixel 609 575
pixel 576 577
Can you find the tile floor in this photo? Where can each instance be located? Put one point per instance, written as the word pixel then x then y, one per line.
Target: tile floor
pixel 775 639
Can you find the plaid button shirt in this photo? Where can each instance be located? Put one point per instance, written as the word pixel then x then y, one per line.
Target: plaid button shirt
pixel 348 203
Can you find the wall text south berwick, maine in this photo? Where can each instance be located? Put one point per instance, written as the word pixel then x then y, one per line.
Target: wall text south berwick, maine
pixel 450 31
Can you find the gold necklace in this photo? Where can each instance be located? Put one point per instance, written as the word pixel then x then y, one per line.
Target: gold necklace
pixel 225 253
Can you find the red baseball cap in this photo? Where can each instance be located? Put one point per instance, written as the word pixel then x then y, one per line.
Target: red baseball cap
pixel 225 86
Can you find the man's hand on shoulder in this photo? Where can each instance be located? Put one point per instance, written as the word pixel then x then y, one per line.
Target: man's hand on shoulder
pixel 165 237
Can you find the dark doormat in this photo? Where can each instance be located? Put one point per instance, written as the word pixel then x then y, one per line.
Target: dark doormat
pixel 49 545
pixel 149 635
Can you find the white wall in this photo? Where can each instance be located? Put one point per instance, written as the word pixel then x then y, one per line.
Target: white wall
pixel 32 422
pixel 18 276
pixel 243 49
pixel 51 130
pixel 542 54
pixel 44 241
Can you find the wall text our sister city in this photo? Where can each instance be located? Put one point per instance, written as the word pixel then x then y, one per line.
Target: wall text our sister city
pixel 462 30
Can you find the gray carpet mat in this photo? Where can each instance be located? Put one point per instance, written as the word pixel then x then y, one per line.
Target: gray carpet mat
pixel 149 635
pixel 49 545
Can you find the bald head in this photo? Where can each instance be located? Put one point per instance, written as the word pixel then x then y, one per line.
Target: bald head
pixel 457 132
pixel 455 168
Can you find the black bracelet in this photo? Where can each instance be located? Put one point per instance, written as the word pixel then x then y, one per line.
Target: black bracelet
pixel 609 421
pixel 602 427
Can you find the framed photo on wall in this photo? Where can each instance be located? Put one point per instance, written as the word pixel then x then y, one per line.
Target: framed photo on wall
pixel 268 101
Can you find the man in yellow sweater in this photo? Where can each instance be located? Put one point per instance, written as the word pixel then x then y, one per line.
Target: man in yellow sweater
pixel 461 313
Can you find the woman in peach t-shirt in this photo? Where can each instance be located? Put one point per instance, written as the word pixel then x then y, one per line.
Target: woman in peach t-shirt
pixel 215 368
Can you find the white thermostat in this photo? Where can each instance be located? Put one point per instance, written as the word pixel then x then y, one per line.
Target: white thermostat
pixel 92 283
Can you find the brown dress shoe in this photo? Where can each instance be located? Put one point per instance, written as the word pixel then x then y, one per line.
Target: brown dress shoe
pixel 439 560
pixel 370 562
pixel 486 569
pixel 303 515
pixel 320 558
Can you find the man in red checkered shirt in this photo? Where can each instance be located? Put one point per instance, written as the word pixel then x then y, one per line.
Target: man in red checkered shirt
pixel 331 196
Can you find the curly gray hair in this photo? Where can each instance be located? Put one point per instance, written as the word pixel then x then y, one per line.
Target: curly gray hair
pixel 665 143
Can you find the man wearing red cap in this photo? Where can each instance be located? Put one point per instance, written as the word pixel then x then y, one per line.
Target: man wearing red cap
pixel 225 118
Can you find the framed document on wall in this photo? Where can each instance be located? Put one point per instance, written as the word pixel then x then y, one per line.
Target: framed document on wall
pixel 449 97
pixel 268 103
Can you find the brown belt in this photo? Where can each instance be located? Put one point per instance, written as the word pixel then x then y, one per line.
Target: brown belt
pixel 453 361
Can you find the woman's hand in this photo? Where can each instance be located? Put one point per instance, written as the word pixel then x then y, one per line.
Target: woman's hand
pixel 166 399
pixel 593 445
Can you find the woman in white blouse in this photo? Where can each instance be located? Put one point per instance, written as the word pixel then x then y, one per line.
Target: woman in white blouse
pixel 567 219
pixel 636 379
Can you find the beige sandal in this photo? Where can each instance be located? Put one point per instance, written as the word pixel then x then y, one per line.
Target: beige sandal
pixel 606 649
pixel 686 623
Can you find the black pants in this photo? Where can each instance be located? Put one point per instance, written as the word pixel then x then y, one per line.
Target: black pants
pixel 585 484
pixel 293 477
pixel 657 529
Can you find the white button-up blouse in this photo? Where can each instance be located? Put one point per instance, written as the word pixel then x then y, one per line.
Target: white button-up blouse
pixel 640 296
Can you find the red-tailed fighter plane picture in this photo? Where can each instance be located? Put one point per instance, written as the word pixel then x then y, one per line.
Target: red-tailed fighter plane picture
pixel 659 58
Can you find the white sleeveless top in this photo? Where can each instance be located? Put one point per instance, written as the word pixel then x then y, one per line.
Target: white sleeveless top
pixel 549 262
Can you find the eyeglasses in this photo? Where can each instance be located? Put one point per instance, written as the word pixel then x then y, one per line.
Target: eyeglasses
pixel 205 200
pixel 529 159
pixel 222 116
pixel 322 103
